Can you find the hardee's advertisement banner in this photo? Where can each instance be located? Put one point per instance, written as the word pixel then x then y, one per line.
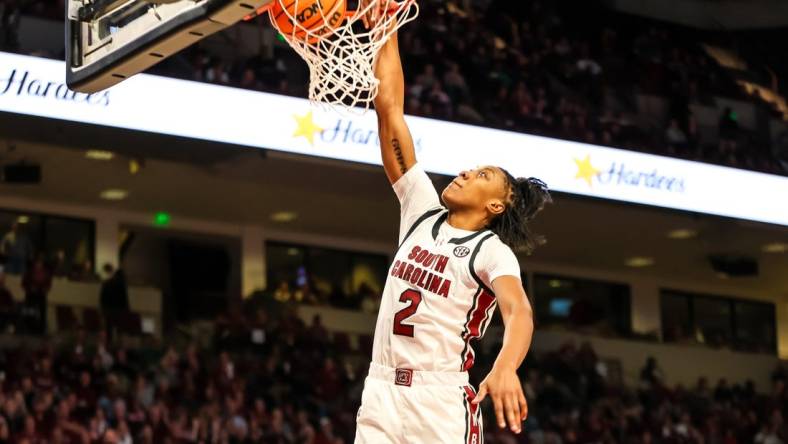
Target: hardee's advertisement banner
pixel 35 86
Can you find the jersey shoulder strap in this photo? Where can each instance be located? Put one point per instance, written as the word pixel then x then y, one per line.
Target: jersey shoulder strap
pixel 455 240
pixel 419 221
pixel 488 235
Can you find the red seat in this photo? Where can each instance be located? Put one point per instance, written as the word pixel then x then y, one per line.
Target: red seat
pixel 130 323
pixel 91 319
pixel 365 344
pixel 342 342
pixel 65 317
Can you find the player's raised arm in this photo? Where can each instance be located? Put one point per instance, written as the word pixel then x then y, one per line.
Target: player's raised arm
pixel 396 143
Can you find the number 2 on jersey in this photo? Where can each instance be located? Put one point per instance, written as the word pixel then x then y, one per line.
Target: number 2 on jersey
pixel 414 297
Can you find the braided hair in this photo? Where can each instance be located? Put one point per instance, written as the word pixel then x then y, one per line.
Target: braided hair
pixel 526 199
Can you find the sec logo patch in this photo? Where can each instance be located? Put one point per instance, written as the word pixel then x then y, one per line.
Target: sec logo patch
pixel 403 377
pixel 462 251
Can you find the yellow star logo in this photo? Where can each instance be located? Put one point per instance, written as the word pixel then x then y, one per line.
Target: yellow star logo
pixel 306 127
pixel 585 170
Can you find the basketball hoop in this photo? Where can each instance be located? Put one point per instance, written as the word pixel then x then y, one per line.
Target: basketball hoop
pixel 341 59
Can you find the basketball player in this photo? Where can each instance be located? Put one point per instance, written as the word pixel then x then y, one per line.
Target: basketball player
pixel 454 266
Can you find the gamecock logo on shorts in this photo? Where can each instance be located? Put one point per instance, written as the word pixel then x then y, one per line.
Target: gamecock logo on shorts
pixel 403 377
pixel 461 251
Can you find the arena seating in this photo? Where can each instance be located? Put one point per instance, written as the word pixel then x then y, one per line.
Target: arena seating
pixel 238 390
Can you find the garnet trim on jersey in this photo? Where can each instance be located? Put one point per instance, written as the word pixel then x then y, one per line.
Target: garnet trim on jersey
pixel 473 427
pixel 437 225
pixel 473 258
pixel 477 322
pixel 479 313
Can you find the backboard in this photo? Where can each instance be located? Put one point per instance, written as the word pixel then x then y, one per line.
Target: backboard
pixel 108 41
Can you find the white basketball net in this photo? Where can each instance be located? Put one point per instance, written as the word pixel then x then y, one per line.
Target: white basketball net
pixel 341 60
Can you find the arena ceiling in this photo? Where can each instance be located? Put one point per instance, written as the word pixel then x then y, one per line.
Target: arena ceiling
pixel 239 185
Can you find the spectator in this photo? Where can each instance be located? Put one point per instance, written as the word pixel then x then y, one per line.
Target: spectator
pixel 588 65
pixel 467 114
pixel 693 135
pixel 370 300
pixel 317 333
pixel 674 135
pixel 427 78
pixel 7 305
pixel 114 298
pixel 780 374
pixel 10 15
pixel 651 374
pixel 282 293
pixel 768 435
pixel 37 282
pixel 722 393
pixel 217 72
pixel 17 249
pixel 249 80
pixel 5 433
pixel 84 273
pixel 59 265
pixel 455 82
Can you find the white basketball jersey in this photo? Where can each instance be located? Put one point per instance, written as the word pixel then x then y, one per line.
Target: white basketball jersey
pixel 438 296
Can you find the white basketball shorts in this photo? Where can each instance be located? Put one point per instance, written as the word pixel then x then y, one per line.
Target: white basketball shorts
pixel 401 406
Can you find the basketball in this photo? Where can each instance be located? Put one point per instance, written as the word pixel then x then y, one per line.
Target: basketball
pixel 319 17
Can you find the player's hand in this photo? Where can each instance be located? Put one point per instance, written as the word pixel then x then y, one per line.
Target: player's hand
pixel 506 392
pixel 374 13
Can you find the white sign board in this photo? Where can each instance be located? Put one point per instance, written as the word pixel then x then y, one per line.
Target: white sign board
pixel 35 86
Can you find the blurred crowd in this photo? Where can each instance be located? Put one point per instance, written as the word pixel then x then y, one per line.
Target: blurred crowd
pixel 572 400
pixel 532 66
pixel 19 255
pixel 270 378
pixel 23 257
pixel 283 385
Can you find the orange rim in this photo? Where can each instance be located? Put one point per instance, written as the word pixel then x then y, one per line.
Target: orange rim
pixel 260 11
pixel 348 14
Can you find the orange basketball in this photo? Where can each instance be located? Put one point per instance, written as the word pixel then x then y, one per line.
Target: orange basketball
pixel 320 17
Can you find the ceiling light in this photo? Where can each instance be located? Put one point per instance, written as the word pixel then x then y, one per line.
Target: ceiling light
pixel 135 166
pixel 99 155
pixel 23 219
pixel 776 247
pixel 284 216
pixel 639 261
pixel 682 233
pixel 114 194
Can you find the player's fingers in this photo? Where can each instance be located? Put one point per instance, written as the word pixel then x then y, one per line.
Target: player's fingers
pixel 373 13
pixel 481 395
pixel 367 9
pixel 499 414
pixel 523 406
pixel 361 9
pixel 512 413
pixel 383 8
